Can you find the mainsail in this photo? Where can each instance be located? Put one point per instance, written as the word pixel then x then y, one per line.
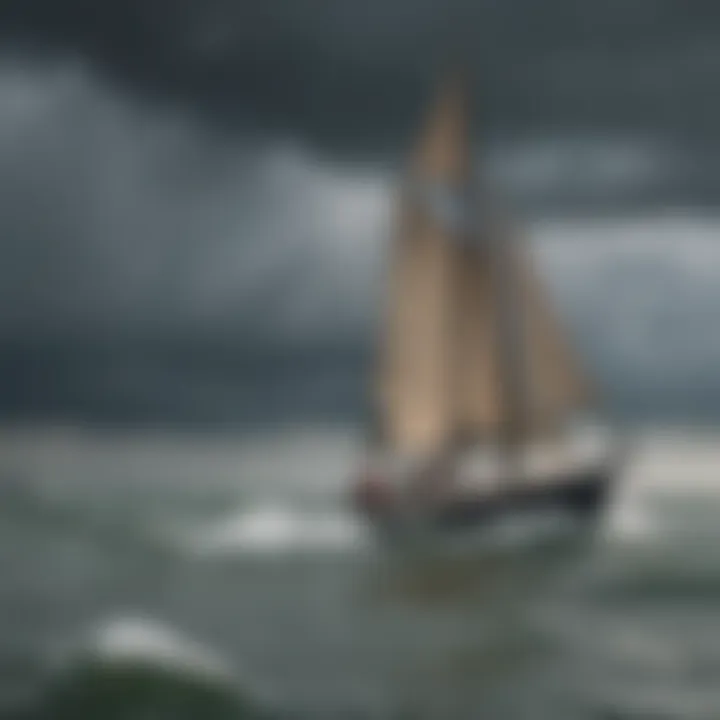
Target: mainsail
pixel 453 369
pixel 416 413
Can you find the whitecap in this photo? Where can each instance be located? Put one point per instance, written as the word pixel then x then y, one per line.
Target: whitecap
pixel 280 529
pixel 143 647
pixel 140 639
pixel 630 521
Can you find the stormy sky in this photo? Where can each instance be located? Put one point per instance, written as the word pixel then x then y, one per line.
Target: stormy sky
pixel 217 174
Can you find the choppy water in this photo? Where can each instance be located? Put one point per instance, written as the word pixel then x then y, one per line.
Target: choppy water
pixel 181 576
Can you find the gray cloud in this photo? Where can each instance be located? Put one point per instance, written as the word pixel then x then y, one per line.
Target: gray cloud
pixel 348 74
pixel 230 180
pixel 113 214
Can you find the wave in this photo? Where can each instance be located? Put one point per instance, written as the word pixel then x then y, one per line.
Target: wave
pixel 137 638
pixel 284 492
pixel 130 667
pixel 630 521
pixel 280 529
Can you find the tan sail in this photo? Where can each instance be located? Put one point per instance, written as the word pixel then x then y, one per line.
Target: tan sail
pixel 414 393
pixel 444 376
pixel 477 393
pixel 549 374
pixel 556 384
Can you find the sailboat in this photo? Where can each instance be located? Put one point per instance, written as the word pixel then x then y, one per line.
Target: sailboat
pixel 480 405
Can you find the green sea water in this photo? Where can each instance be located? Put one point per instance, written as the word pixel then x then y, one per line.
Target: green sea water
pixel 205 576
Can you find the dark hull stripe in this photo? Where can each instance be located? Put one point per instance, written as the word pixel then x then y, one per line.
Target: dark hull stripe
pixel 582 494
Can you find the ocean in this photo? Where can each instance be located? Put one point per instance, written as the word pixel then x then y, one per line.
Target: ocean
pixel 190 574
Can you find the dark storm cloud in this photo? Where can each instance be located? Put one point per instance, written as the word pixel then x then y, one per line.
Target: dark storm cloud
pixel 311 67
pixel 148 265
pixel 348 73
pixel 113 214
pixel 180 186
